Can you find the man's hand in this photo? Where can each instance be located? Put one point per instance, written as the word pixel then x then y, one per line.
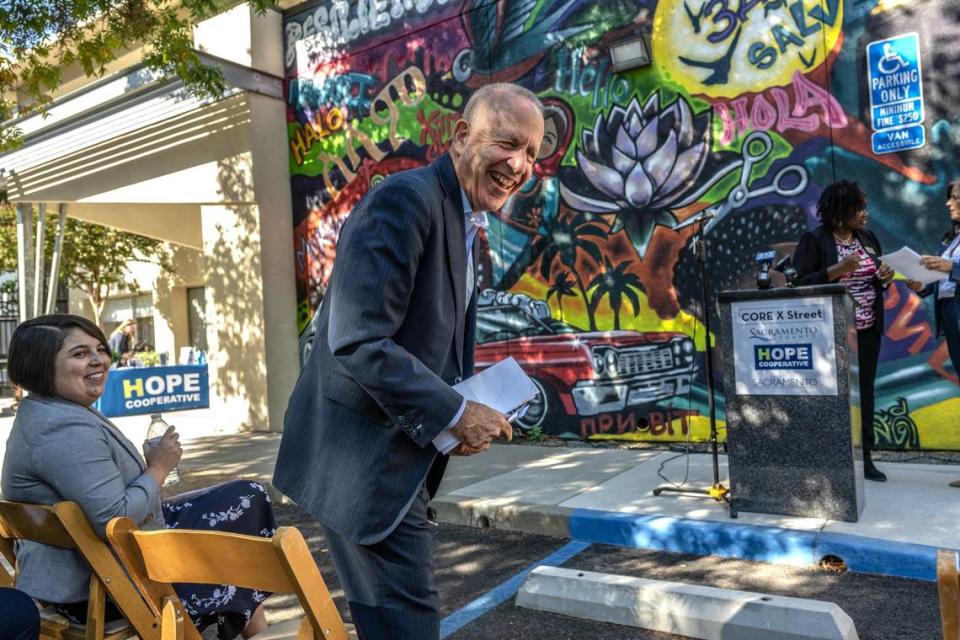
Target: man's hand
pixel 463 450
pixel 480 424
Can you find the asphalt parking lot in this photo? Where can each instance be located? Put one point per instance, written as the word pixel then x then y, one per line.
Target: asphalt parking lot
pixel 475 568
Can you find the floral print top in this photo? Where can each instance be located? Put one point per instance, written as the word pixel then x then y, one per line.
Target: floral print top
pixel 860 282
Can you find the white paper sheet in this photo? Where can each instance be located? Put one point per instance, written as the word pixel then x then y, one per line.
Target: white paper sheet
pixel 504 387
pixel 906 262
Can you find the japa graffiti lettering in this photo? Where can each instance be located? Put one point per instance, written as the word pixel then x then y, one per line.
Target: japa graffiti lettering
pixel 408 89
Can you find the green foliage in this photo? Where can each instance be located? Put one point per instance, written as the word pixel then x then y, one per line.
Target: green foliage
pixel 147 358
pixel 95 259
pixel 535 434
pixel 42 37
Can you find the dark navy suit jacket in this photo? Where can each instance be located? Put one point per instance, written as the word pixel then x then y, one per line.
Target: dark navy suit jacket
pixel 394 334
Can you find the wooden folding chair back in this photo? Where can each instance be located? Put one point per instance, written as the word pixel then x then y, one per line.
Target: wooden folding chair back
pixel 281 564
pixel 65 525
pixel 171 620
pixel 948 591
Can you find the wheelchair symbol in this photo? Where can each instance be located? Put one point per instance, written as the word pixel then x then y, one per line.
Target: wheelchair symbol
pixel 891 62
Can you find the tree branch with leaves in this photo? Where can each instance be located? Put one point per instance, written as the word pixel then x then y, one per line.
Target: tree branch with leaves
pixel 95 259
pixel 41 38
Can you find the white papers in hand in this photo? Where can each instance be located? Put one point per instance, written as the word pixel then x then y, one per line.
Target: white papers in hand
pixel 906 262
pixel 504 387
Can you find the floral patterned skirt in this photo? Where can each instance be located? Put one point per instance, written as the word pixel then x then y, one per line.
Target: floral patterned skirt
pixel 239 506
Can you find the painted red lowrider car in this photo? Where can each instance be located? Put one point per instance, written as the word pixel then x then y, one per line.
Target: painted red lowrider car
pixel 580 373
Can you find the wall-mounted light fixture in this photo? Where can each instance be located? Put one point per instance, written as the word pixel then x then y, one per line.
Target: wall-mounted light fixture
pixel 630 53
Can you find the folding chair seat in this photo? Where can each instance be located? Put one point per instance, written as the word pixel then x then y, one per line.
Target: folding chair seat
pixel 157 559
pixel 65 525
pixel 948 592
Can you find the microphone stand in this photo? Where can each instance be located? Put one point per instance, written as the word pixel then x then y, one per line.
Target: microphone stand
pixel 717 491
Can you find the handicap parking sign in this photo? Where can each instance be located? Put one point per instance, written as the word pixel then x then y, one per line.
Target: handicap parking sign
pixel 896 93
pixel 890 140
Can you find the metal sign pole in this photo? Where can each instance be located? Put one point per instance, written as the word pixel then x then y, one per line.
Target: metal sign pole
pixel 24 259
pixel 38 264
pixel 55 259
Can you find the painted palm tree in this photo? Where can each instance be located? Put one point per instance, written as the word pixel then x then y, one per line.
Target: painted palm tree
pixel 562 286
pixel 616 283
pixel 566 237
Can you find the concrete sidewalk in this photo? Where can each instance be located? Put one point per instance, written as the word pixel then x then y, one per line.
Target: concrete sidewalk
pixel 605 496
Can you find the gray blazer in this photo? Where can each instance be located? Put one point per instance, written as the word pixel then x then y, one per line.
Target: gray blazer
pixel 59 450
pixel 395 331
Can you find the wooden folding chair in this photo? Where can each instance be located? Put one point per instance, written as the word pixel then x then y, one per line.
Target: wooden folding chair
pixel 948 591
pixel 65 525
pixel 282 564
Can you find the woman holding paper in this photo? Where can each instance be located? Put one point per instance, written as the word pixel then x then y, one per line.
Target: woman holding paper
pixel 945 291
pixel 843 250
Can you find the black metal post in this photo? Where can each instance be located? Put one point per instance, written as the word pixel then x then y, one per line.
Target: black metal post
pixel 717 491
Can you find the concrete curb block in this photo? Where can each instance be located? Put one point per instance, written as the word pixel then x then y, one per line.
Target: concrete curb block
pixel 541 519
pixel 694 611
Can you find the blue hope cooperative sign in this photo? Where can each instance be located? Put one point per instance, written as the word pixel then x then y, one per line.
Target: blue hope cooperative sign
pixel 896 94
pixel 138 390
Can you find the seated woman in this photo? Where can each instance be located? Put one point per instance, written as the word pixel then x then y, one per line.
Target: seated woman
pixel 61 448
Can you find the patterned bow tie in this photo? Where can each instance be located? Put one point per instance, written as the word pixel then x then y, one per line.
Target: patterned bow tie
pixel 478 218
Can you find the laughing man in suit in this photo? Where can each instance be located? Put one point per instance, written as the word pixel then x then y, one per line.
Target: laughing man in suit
pixel 395 333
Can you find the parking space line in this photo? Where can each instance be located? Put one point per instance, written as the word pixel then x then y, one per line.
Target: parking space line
pixel 504 591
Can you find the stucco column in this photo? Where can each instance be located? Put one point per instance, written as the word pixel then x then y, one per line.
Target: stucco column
pixel 248 240
pixel 250 288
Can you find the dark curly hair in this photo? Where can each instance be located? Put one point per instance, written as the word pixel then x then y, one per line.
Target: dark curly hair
pixel 840 202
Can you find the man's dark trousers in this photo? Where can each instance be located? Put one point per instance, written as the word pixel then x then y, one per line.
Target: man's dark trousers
pixel 390 585
pixel 19 618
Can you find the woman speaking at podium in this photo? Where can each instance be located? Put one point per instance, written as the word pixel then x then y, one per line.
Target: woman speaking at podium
pixel 843 250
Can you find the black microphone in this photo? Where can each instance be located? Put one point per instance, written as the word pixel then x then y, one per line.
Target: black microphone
pixel 785 266
pixel 765 259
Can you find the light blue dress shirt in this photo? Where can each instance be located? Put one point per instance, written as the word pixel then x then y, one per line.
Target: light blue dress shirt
pixel 475 220
pixel 947 287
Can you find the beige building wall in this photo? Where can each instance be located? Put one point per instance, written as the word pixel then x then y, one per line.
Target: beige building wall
pixel 213 182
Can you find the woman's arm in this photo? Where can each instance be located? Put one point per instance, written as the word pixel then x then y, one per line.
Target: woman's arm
pixel 77 462
pixel 808 262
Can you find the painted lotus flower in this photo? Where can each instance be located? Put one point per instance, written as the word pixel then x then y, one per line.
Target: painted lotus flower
pixel 640 163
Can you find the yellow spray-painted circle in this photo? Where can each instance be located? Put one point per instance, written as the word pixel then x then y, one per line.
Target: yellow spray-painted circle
pixel 723 48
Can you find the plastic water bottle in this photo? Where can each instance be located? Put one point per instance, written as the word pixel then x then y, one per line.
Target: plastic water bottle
pixel 158 427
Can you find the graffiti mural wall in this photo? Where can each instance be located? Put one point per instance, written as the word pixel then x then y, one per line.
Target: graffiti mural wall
pixel 589 275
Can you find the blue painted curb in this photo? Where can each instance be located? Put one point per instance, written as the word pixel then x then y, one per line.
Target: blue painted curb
pixel 754 542
pixel 698 537
pixel 872 555
pixel 506 590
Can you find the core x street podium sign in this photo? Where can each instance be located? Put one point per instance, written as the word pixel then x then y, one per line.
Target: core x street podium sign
pixel 896 94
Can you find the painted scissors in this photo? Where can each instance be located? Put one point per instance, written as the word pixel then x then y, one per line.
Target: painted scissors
pixel 743 193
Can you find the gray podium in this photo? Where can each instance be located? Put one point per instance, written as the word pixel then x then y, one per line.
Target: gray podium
pixel 789 364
